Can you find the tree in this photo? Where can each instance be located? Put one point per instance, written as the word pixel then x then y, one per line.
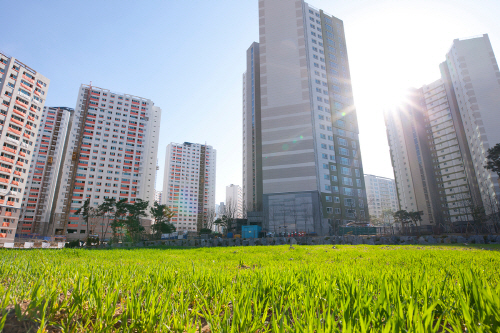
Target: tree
pixel 402 217
pixel 374 220
pixel 493 159
pixel 415 217
pixel 104 210
pixel 226 222
pixel 479 217
pixel 387 215
pixel 162 215
pixel 87 212
pixel 210 220
pixel 136 211
pixel 118 221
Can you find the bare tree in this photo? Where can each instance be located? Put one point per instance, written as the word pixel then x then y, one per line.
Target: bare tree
pixel 387 216
pixel 210 219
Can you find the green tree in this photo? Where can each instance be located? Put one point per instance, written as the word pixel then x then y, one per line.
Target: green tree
pixel 402 217
pixel 479 217
pixel 136 211
pixel 162 215
pixel 104 210
pixel 415 217
pixel 493 159
pixel 118 218
pixel 226 222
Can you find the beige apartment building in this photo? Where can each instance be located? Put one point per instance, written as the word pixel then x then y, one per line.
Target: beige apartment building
pixel 302 164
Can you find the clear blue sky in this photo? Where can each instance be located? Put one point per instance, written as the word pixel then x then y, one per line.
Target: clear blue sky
pixel 189 56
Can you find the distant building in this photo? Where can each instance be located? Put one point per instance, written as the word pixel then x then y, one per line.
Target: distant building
pixel 44 178
pixel 221 209
pixel 382 195
pixel 23 92
pixel 189 184
pixel 234 200
pixel 158 196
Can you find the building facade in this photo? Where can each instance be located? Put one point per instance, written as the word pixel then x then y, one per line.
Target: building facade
pixel 234 200
pixel 471 71
pixel 112 150
pixel 158 196
pixel 23 93
pixel 412 160
pixel 447 127
pixel 303 129
pixel 189 184
pixel 382 196
pixel 252 136
pixel 44 178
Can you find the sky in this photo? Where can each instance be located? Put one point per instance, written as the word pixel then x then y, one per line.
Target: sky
pixel 189 56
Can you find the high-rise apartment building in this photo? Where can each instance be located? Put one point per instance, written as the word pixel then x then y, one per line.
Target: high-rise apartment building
pixel 412 160
pixel 234 200
pixel 44 178
pixel 381 194
pixel 111 153
pixel 471 72
pixel 301 144
pixel 23 92
pixel 440 136
pixel 252 136
pixel 189 184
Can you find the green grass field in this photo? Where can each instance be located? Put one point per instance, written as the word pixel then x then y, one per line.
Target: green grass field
pixel 253 289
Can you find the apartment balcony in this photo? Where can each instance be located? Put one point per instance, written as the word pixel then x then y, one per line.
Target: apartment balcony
pixel 5 159
pixel 22 104
pixel 33 109
pixel 20 163
pixel 14 131
pixel 37 93
pixel 9 149
pixel 28 79
pixel 17 122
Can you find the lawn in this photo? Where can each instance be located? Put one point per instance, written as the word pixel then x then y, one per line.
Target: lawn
pixel 252 289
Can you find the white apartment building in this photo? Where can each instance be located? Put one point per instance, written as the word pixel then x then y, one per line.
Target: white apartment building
pixel 381 194
pixel 439 138
pixel 473 73
pixel 189 184
pixel 158 196
pixel 44 177
pixel 23 93
pixel 234 200
pixel 449 162
pixel 301 152
pixel 112 150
